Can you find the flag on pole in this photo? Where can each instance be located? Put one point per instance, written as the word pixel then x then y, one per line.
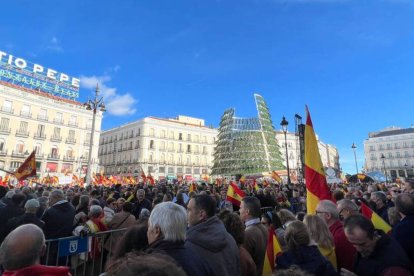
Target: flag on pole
pixel 316 185
pixel 151 179
pixel 276 177
pixel 28 168
pixel 144 178
pixel 378 222
pixel 273 249
pixel 192 188
pixel 234 194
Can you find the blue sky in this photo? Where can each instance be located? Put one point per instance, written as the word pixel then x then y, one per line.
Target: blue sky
pixel 350 61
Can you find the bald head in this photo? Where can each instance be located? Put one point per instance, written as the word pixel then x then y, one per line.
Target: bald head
pixel 22 247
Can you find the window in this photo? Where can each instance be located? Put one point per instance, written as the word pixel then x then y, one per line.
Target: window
pixel 1 144
pixel 89 124
pixel 161 169
pixel 151 144
pixel 7 106
pixel 56 133
pixel 73 120
pixel 25 110
pixel 170 170
pixel 69 152
pixel 152 132
pixel 71 135
pixel 188 160
pixel 40 131
pixel 188 137
pixel 20 147
pixel 4 124
pixel 43 114
pixel 162 133
pixel 180 147
pixel 189 148
pixel 180 170
pixel 171 135
pixel 162 157
pixel 137 144
pixel 54 151
pixel 188 170
pixel 162 147
pixel 180 136
pixel 38 148
pixel 139 132
pixel 59 118
pixel 23 128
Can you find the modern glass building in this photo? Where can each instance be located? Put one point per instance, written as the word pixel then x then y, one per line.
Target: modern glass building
pixel 247 145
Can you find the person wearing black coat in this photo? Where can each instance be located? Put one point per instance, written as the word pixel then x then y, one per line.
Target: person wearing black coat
pixel 166 234
pixel 29 216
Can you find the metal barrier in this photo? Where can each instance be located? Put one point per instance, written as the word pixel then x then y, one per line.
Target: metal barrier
pixel 85 255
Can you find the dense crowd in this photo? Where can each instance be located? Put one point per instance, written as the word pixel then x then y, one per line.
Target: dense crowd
pixel 170 230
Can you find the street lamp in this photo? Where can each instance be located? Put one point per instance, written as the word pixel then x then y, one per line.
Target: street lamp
pixel 356 164
pixel 284 125
pixel 94 106
pixel 383 164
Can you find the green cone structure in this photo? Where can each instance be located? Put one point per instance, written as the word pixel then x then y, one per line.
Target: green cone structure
pixel 247 146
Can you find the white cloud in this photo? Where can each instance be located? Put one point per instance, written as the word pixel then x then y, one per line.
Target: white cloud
pixel 116 104
pixel 54 45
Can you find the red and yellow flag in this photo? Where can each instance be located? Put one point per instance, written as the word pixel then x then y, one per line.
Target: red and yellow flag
pixel 151 179
pixel 276 177
pixel 378 222
pixel 28 168
pixel 192 188
pixel 316 186
pixel 273 249
pixel 144 178
pixel 234 194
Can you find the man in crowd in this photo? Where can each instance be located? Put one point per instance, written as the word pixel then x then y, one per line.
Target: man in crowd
pixel 378 254
pixel 29 216
pixel 346 208
pixel 208 237
pixel 344 250
pixel 141 203
pixel 409 187
pixel 403 231
pixel 255 235
pixel 21 251
pixel 380 203
pixel 166 234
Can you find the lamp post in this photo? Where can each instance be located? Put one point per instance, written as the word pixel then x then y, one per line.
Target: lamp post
pixel 356 164
pixel 94 105
pixel 284 125
pixel 383 164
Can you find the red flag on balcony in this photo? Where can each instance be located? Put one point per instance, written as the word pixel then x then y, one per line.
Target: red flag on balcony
pixel 28 168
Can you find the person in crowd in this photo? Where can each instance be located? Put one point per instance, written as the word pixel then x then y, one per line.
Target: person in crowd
pixel 346 208
pixel 208 237
pixel 272 221
pixel 378 254
pixel 256 235
pixel 394 216
pixel 180 200
pixel 320 234
pixel 300 216
pixel 109 210
pixel 286 217
pixel 121 220
pixel 83 204
pixel 12 209
pixel 166 234
pixel 235 227
pixel 134 240
pixel 141 202
pixel 404 230
pixel 42 206
pixel 224 204
pixel 140 264
pixel 302 253
pixel 29 216
pixel 344 250
pixel 338 195
pixel 379 200
pixel 70 194
pixel 409 187
pixel 21 251
pixel 120 203
pixel 58 217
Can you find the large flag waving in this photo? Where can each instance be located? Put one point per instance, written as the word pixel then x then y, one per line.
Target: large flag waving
pixel 28 168
pixel 276 177
pixel 235 194
pixel 378 222
pixel 316 186
pixel 273 249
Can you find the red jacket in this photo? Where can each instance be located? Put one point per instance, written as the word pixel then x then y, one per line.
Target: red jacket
pixel 39 270
pixel 344 250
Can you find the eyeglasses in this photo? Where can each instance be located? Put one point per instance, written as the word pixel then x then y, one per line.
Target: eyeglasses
pixel 320 212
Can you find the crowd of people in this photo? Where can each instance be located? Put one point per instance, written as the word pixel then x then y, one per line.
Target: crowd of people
pixel 169 230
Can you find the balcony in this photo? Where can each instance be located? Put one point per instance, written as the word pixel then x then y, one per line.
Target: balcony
pixel 56 138
pixel 58 121
pixel 25 114
pixel 42 118
pixel 19 154
pixel 3 152
pixel 23 134
pixel 73 124
pixel 6 109
pixel 163 149
pixel 5 130
pixel 68 158
pixel 70 141
pixel 53 156
pixel 39 136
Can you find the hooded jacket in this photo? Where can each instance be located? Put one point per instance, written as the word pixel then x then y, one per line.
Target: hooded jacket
pixel 217 247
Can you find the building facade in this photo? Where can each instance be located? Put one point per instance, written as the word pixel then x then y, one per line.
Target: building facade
pixel 180 148
pixel 58 128
pixel 390 151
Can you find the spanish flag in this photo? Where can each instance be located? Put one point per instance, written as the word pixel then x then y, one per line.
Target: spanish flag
pixel 28 168
pixel 192 188
pixel 151 179
pixel 144 178
pixel 234 194
pixel 273 249
pixel 378 222
pixel 316 186
pixel 276 177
